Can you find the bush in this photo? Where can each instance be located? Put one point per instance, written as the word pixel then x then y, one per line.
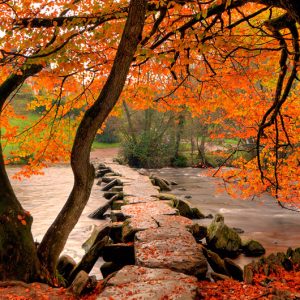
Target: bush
pixel 147 152
pixel 180 161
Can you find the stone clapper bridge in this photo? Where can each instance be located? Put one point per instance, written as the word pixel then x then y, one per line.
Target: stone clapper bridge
pixel 153 253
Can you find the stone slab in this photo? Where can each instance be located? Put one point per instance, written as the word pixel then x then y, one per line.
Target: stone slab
pixel 133 282
pixel 172 248
pixel 148 208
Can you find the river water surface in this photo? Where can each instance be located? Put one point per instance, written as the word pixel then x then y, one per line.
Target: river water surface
pixel 276 228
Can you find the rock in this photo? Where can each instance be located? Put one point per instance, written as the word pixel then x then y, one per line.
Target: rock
pixel 116 232
pixel 150 208
pixel 215 261
pixel 89 259
pixel 217 277
pixel 253 248
pixel 187 196
pixel 110 267
pixel 109 195
pixel 248 273
pixel 162 183
pixel 133 282
pixel 102 172
pixel 199 231
pixel 238 230
pixel 233 269
pixel 172 248
pixel 196 213
pixel 111 184
pixel 99 182
pixel 223 239
pixel 117 188
pixel 117 216
pixel 165 196
pixel 116 205
pixel 65 266
pixel 295 257
pixel 107 179
pixel 119 253
pixel 79 283
pixel 98 233
pixel 183 207
pixel 132 225
pixel 100 211
pixel 209 216
pixel 287 264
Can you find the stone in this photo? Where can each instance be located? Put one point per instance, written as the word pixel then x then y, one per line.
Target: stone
pixel 116 205
pixel 120 253
pixel 248 273
pixel 222 239
pixel 116 232
pixel 117 188
pixel 79 283
pixel 98 233
pixel 183 207
pixel 132 225
pixel 199 231
pixel 217 277
pixel 233 269
pixel 110 267
pixel 65 266
pixel 133 282
pixel 188 197
pixel 173 248
pixel 111 184
pixel 117 216
pixel 148 209
pixel 215 261
pixel 164 196
pixel 99 182
pixel 162 183
pixel 253 248
pixel 196 213
pixel 295 257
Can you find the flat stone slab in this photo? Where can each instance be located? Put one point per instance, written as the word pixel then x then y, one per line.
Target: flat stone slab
pixel 173 221
pixel 133 282
pixel 132 225
pixel 148 209
pixel 172 248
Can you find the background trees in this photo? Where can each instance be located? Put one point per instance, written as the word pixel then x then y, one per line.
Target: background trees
pixel 231 61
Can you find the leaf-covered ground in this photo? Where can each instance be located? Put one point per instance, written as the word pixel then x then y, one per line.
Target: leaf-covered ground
pixel 280 286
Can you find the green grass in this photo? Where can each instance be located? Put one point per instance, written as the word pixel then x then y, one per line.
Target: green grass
pixel 97 145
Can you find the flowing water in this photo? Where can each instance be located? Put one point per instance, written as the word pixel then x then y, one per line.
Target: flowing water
pixel 263 219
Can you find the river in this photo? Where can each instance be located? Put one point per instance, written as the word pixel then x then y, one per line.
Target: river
pixel 261 219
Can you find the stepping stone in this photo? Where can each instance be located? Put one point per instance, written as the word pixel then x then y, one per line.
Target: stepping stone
pixel 133 225
pixel 135 199
pixel 133 282
pixel 172 248
pixel 148 209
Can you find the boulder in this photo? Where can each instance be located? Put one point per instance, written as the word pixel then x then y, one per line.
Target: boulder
pixel 65 266
pixel 117 216
pixel 98 233
pixel 233 269
pixel 120 253
pixel 184 207
pixel 116 232
pixel 79 283
pixel 199 231
pixel 215 261
pixel 165 196
pixel 110 267
pixel 133 282
pixel 253 248
pixel 174 248
pixel 116 205
pixel 197 214
pixel 217 277
pixel 223 239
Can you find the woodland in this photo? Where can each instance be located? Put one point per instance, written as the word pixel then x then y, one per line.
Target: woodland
pixel 230 63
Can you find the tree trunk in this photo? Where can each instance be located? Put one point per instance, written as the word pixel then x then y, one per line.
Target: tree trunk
pixel 18 257
pixel 56 236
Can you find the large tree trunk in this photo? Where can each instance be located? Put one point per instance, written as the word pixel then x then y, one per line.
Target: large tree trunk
pixel 18 257
pixel 55 238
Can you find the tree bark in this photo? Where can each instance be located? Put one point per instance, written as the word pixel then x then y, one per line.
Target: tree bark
pixel 18 257
pixel 56 236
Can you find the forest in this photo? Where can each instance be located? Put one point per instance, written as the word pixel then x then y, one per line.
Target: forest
pixel 179 77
